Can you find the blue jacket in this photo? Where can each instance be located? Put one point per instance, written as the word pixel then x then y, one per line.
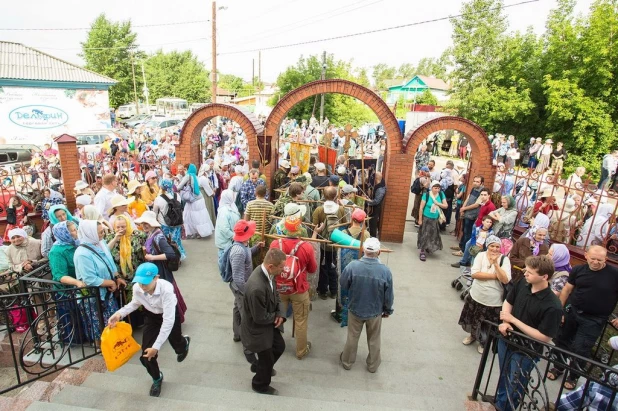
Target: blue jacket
pixel 94 270
pixel 370 287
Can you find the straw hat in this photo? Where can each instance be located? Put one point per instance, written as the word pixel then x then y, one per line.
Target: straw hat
pixel 569 205
pixel 150 218
pixel 545 193
pixel 80 185
pixel 133 184
pixel 118 201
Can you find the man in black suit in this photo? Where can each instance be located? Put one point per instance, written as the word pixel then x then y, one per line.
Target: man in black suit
pixel 261 319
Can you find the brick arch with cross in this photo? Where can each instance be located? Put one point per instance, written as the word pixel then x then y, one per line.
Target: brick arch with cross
pixel 189 149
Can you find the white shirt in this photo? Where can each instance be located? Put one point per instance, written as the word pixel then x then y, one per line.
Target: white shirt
pixel 270 282
pixel 103 201
pixel 161 301
pixel 488 292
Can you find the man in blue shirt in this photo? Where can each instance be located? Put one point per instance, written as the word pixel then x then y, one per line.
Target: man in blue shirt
pixel 370 288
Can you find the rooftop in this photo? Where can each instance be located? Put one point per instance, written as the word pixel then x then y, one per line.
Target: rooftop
pixel 21 62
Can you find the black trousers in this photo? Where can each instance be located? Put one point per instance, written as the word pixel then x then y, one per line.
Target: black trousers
pixel 266 362
pixel 579 334
pixel 328 273
pixel 375 220
pixel 448 213
pixel 152 326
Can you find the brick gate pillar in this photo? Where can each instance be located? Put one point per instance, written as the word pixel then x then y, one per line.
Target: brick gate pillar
pixel 69 164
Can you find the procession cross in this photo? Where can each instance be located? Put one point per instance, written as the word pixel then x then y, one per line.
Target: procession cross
pixel 348 134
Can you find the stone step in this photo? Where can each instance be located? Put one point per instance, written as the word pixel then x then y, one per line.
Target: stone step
pixel 50 406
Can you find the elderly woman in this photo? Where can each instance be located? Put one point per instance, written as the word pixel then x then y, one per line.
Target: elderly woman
pixel 24 253
pixel 196 219
pixel 126 246
pixel 490 271
pixel 226 219
pixel 161 206
pixel 57 214
pixel 157 251
pixel 120 206
pixel 544 155
pixel 95 267
pixel 62 267
pixel 504 217
pixel 559 253
pixel 430 213
pixel 532 243
pixel 596 228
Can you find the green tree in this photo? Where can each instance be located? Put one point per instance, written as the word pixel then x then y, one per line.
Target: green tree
pixel 406 71
pixel 382 72
pixel 428 66
pixel 339 109
pixel 177 74
pixel 109 49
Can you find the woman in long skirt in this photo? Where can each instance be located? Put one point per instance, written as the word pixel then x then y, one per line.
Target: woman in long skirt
pixel 490 270
pixel 196 219
pixel 430 213
pixel 544 156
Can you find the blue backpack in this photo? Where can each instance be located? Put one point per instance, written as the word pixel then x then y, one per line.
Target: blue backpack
pixel 226 273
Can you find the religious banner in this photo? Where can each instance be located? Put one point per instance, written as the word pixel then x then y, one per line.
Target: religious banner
pixel 300 154
pixel 328 156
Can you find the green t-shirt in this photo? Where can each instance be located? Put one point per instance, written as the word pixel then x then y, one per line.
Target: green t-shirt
pixel 427 211
pixel 61 261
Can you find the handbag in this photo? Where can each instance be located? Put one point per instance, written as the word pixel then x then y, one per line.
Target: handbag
pixel 441 216
pixel 187 195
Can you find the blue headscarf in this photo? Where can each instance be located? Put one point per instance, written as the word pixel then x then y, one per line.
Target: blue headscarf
pixel 167 185
pixel 52 214
pixel 62 234
pixel 192 171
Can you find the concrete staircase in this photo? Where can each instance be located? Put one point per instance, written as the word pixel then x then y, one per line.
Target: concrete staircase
pixel 424 366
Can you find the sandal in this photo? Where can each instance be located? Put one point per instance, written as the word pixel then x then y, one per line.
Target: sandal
pixel 570 384
pixel 423 257
pixel 554 374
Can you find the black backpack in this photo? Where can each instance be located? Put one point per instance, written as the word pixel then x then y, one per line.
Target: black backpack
pixel 173 217
pixel 174 263
pixel 416 187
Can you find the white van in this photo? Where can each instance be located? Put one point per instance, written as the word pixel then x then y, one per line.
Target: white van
pixel 126 111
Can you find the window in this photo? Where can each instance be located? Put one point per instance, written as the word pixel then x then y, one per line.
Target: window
pixel 12 156
pixel 4 158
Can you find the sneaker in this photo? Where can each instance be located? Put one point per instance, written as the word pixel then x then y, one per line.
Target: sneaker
pixel 468 340
pixel 456 265
pixel 455 248
pixel 458 253
pixel 155 388
pixel 181 357
pixel 306 352
pixel 323 296
pixel 341 362
pixel 335 316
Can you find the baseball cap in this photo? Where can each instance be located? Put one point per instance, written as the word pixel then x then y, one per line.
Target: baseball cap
pixel 293 209
pixel 341 170
pixel 243 230
pixel 320 166
pixel 359 215
pixel 425 169
pixel 372 245
pixel 145 273
pixel 334 179
pixel 284 163
pixel 348 188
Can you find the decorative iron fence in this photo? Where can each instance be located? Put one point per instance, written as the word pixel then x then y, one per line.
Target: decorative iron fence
pixel 47 326
pixel 513 373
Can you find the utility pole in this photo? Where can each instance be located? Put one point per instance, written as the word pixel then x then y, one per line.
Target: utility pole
pixel 213 73
pixel 323 77
pixel 134 83
pixel 145 90
pixel 259 67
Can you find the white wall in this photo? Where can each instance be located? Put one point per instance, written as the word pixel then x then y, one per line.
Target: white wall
pixel 32 115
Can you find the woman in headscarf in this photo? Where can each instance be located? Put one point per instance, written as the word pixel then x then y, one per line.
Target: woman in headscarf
pixel 430 212
pixel 62 268
pixel 532 243
pixel 504 217
pixel 207 189
pixel 226 219
pixel 126 246
pixel 94 265
pixel 24 253
pixel 91 213
pixel 160 208
pixel 490 271
pixel 57 214
pixel 596 229
pixel 196 220
pixel 561 257
pixel 157 251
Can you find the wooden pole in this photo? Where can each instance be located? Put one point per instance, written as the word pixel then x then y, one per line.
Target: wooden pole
pixel 315 240
pixel 382 250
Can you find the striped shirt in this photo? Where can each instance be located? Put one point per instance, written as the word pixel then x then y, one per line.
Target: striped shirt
pixel 255 210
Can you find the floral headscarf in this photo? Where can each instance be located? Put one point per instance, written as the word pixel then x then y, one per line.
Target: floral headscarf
pixel 167 185
pixel 125 249
pixel 540 221
pixel 52 214
pixel 62 234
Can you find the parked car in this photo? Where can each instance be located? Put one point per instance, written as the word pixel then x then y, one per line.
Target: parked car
pixel 140 119
pixel 153 127
pixel 91 141
pixel 12 156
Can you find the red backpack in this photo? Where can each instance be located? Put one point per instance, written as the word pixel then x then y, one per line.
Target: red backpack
pixel 287 280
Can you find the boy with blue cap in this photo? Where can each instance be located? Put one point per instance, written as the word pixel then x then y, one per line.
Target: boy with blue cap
pixel 161 320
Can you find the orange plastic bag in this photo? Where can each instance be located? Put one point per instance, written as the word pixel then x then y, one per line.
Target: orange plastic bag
pixel 118 345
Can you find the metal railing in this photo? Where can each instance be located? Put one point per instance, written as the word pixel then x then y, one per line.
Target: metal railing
pixel 516 373
pixel 47 327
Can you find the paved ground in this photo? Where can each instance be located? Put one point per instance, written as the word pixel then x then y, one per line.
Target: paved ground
pixel 422 355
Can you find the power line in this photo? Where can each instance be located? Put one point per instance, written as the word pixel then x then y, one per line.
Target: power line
pixel 88 28
pixel 362 33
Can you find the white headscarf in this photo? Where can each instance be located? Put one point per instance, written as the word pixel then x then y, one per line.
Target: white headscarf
pixel 90 212
pixel 88 233
pixel 228 198
pixel 597 229
pixel 18 231
pixel 236 183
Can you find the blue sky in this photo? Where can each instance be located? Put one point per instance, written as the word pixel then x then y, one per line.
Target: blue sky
pixel 252 24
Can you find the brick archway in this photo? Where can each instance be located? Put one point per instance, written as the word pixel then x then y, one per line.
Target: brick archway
pixel 400 163
pixel 189 149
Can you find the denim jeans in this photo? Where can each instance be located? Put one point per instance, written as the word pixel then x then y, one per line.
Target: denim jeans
pixel 468 226
pixel 466 259
pixel 514 377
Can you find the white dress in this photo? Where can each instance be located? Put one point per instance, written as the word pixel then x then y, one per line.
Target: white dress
pixel 195 215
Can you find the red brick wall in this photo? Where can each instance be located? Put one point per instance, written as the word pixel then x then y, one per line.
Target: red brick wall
pixel 69 163
pixel 189 149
